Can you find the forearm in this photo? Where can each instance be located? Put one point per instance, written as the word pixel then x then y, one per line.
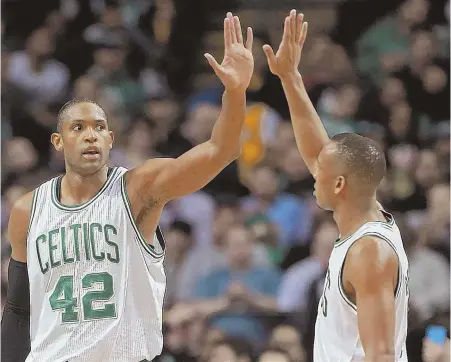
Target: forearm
pixel 15 327
pixel 263 303
pixel 207 308
pixel 227 130
pixel 309 131
pixel 15 334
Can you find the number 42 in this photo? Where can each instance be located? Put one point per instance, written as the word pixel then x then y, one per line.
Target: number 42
pixel 63 298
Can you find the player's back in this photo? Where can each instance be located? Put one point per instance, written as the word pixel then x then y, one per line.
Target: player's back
pixel 96 287
pixel 336 332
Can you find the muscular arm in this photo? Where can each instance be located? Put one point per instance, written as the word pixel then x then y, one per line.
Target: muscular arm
pixel 18 227
pixel 310 134
pixel 16 315
pixel 309 131
pixel 160 180
pixel 371 269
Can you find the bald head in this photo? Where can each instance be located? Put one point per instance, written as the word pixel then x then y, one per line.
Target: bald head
pixel 361 158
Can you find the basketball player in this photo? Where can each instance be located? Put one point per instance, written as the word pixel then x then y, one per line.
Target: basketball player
pixel 90 238
pixel 362 315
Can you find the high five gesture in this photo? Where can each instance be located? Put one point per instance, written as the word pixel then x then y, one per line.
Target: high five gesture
pixel 286 60
pixel 236 69
pixel 308 129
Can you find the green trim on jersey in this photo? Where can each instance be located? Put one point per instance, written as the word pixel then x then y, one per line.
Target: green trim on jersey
pixel 150 249
pixel 387 224
pixel 79 207
pixel 340 275
pixel 33 208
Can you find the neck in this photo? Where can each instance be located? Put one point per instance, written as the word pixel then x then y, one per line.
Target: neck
pixel 351 214
pixel 77 189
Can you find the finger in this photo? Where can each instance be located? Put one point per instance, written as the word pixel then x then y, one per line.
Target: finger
pixel 232 28
pixel 227 37
pixel 213 63
pixel 249 39
pixel 293 23
pixel 303 34
pixel 286 29
pixel 238 31
pixel 299 19
pixel 269 53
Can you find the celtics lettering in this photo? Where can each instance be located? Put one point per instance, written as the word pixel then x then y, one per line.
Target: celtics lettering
pixel 77 242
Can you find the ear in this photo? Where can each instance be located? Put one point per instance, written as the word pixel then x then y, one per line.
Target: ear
pixel 340 183
pixel 112 139
pixel 57 141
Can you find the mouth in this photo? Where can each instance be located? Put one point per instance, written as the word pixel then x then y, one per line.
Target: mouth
pixel 91 153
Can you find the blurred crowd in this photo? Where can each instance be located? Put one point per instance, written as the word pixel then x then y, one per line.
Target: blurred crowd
pixel 246 256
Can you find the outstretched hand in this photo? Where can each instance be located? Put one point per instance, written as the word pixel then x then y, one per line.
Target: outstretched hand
pixel 236 69
pixel 286 61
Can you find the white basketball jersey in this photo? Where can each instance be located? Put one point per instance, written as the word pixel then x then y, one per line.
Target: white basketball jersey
pixel 96 287
pixel 336 331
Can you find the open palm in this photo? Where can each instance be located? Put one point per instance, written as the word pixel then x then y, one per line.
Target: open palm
pixel 236 69
pixel 286 60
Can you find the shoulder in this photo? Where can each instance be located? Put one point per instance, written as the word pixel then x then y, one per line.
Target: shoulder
pixel 371 250
pixel 19 220
pixel 23 204
pixel 371 259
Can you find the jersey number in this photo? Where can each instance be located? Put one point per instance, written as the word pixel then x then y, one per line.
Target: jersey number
pixel 63 298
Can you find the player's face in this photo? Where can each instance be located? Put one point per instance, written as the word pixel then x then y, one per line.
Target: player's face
pixel 85 138
pixel 328 182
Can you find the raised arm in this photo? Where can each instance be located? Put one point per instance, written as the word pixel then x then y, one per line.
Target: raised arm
pixel 16 314
pixel 309 131
pixel 371 269
pixel 160 180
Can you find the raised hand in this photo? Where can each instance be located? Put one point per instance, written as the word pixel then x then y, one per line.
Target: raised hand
pixel 236 69
pixel 286 60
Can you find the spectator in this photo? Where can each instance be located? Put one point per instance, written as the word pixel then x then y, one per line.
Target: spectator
pixel 288 339
pixel 240 287
pixel 287 212
pixel 293 293
pixel 231 350
pixel 36 72
pixel 384 47
pixel 433 352
pixel 426 298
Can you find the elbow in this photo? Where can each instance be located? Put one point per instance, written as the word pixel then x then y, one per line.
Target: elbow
pixel 226 153
pixel 236 153
pixel 382 357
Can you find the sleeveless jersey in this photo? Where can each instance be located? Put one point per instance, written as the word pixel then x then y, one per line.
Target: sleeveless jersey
pixel 336 331
pixel 96 286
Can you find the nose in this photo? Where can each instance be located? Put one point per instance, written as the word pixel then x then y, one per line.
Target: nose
pixel 90 135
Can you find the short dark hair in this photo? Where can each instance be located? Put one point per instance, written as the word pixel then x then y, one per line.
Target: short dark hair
pixel 362 157
pixel 69 104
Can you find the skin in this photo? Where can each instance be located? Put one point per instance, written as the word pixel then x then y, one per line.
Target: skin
pixel 151 185
pixel 371 266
